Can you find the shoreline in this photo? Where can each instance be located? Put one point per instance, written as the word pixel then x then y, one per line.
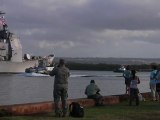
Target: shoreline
pixel 46 107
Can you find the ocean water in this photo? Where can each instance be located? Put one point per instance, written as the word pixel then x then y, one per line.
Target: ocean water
pixel 19 89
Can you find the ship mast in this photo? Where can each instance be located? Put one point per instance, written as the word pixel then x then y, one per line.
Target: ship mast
pixel 5 37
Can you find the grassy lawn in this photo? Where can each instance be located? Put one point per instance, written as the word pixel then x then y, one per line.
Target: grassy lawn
pixel 146 111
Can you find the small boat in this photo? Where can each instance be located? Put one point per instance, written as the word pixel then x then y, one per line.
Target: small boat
pixel 120 69
pixel 44 66
pixel 11 58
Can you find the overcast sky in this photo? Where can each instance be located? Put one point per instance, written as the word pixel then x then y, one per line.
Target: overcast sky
pixel 86 28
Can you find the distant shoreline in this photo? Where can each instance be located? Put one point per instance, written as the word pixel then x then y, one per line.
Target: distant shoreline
pixel 111 60
pixel 107 67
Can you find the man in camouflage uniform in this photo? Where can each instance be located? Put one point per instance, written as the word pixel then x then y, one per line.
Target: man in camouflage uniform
pixel 61 73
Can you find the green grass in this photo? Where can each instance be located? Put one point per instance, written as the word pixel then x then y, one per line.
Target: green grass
pixel 146 111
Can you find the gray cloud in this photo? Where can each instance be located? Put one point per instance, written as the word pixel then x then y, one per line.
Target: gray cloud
pixel 86 28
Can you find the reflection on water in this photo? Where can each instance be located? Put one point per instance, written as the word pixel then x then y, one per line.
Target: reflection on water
pixel 16 89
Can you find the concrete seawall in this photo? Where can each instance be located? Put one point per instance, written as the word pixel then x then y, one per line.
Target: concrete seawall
pixel 44 107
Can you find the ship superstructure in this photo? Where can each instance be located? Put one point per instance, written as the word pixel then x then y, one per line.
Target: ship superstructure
pixel 11 58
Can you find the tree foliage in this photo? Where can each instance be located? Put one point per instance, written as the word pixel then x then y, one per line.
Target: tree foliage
pixel 107 67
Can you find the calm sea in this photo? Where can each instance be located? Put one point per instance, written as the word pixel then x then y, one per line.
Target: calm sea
pixel 19 89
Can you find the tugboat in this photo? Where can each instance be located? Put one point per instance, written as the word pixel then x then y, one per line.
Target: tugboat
pixel 120 69
pixel 44 66
pixel 11 58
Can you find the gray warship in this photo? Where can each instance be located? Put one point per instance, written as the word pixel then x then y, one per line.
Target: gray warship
pixel 11 57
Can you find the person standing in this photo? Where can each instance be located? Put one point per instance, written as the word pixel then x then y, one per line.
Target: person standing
pixel 92 92
pixel 127 76
pixel 60 92
pixel 133 88
pixel 158 83
pixel 152 83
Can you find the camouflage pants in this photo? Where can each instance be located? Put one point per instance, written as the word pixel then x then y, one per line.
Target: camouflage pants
pixel 60 94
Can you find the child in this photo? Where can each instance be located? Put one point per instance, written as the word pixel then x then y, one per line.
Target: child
pixel 133 88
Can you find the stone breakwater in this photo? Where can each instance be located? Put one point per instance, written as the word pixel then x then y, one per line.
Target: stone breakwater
pixel 46 107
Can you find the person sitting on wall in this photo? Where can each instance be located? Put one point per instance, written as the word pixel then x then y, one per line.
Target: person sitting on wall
pixel 92 92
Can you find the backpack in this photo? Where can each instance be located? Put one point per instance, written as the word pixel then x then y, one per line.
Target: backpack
pixel 140 97
pixel 76 110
